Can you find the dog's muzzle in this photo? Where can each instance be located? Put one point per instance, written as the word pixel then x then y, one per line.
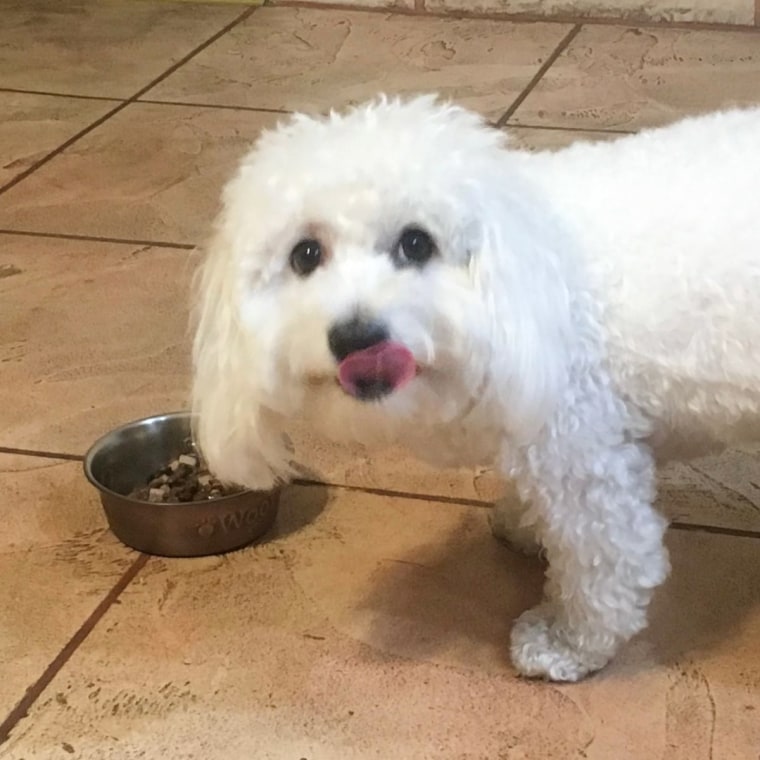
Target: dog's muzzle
pixel 370 364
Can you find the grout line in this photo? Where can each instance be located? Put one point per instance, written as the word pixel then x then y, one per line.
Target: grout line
pixel 465 502
pixel 286 112
pixel 199 49
pixel 282 111
pixel 547 64
pixel 56 151
pixel 737 532
pixel 715 529
pixel 550 128
pixel 99 239
pixel 124 103
pixel 516 17
pixel 19 712
pixel 20 91
pixel 41 454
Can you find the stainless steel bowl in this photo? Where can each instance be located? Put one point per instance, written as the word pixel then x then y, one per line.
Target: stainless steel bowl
pixel 126 457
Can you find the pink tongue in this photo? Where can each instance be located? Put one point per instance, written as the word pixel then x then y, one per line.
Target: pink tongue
pixel 377 370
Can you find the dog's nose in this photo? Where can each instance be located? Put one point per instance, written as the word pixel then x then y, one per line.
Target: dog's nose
pixel 354 335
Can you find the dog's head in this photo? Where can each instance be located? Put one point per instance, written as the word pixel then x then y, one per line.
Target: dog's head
pixel 377 273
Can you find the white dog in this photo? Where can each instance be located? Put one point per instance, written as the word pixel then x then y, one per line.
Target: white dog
pixel 398 273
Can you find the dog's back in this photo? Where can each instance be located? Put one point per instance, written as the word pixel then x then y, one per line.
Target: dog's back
pixel 668 227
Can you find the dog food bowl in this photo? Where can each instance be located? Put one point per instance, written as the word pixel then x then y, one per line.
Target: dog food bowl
pixel 125 458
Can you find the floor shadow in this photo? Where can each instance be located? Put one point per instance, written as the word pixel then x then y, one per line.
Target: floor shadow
pixel 713 589
pixel 453 600
pixel 300 505
pixel 456 600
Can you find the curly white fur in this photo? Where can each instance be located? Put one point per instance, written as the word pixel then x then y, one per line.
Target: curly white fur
pixel 587 310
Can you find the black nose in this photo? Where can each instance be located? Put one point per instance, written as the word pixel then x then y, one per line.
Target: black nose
pixel 354 335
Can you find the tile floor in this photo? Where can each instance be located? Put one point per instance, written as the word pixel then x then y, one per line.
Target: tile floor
pixel 373 622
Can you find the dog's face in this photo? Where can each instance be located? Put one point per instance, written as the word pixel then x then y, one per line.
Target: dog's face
pixel 352 281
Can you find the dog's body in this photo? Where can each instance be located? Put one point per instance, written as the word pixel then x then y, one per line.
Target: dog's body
pixel 565 317
pixel 667 225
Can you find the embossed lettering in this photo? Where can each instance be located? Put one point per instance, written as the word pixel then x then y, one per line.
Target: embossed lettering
pixel 240 517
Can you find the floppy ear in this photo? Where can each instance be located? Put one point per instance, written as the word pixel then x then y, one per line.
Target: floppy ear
pixel 521 282
pixel 238 436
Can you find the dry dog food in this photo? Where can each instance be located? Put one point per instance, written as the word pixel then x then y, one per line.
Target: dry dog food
pixel 184 479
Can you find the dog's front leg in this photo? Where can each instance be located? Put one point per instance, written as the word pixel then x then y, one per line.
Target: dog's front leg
pixel 591 492
pixel 511 524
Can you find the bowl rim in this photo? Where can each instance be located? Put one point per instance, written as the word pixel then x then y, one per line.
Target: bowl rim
pixel 98 445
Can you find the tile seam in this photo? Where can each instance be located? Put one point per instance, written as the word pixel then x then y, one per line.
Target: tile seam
pixel 564 43
pixel 99 239
pixel 33 693
pixel 123 104
pixel 62 456
pixel 48 94
pixel 390 493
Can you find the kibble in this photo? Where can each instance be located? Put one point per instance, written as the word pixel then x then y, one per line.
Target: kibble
pixel 184 479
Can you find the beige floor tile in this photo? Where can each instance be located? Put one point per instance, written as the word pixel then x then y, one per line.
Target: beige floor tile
pixel 371 4
pixel 709 11
pixel 91 335
pixel 33 125
pixel 625 78
pixel 149 173
pixel 377 628
pixel 688 493
pixel 313 60
pixel 90 47
pixel 737 469
pixel 723 490
pixel 389 469
pixel 57 562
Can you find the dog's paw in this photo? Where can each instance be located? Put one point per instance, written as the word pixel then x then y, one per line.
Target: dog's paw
pixel 506 528
pixel 539 650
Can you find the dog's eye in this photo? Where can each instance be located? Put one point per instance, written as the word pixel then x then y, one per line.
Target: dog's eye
pixel 415 247
pixel 305 257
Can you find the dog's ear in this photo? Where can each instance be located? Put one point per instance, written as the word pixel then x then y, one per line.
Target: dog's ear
pixel 238 436
pixel 519 280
